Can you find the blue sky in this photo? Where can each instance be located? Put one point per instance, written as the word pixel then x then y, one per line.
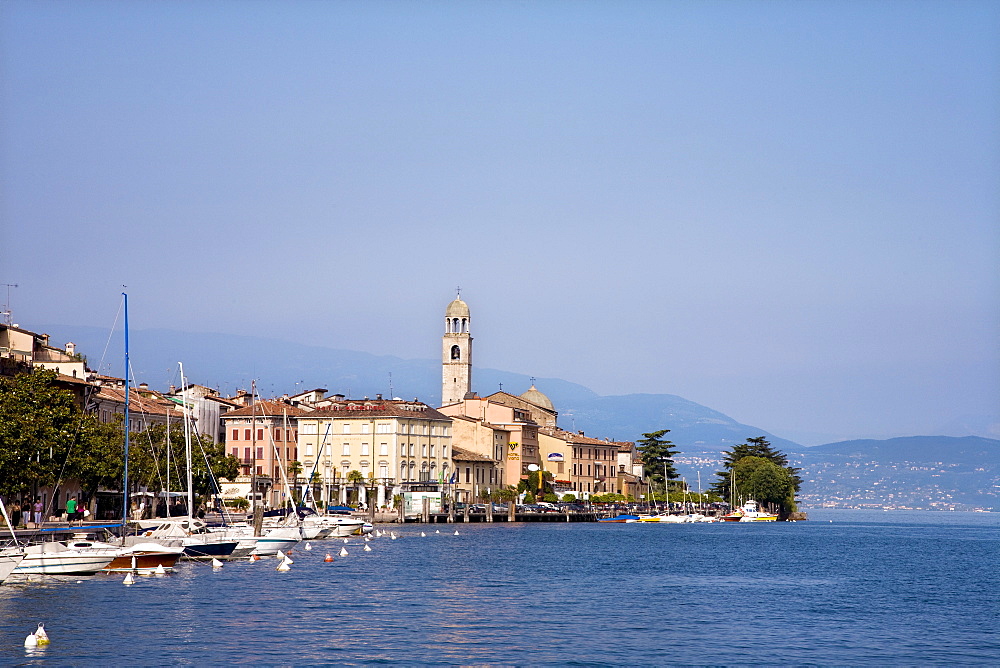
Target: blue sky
pixel 786 211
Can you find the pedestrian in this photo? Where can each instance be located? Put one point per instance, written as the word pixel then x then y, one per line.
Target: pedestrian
pixel 70 510
pixel 15 514
pixel 38 508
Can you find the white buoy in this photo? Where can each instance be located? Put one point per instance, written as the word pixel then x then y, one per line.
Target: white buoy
pixel 456 532
pixel 438 531
pixel 160 570
pixel 39 637
pixel 281 555
pixel 308 546
pixel 343 551
pixel 288 560
pixel 216 563
pixel 345 541
pixel 283 566
pixel 128 579
pixel 423 535
pixel 368 548
pixel 392 536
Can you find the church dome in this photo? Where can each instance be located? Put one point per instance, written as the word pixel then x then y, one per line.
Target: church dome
pixel 457 309
pixel 537 398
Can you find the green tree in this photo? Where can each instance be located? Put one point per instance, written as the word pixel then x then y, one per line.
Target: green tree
pixel 758 471
pixel 657 457
pixel 100 459
pixel 148 460
pixel 530 484
pixel 39 425
pixel 355 479
pixel 506 494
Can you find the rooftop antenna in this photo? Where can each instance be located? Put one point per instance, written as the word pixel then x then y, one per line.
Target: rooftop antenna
pixel 390 385
pixel 458 289
pixel 6 313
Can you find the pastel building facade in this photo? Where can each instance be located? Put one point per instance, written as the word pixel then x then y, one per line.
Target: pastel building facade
pixel 388 442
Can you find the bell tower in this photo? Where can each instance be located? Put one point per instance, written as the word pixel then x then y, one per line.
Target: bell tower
pixel 456 353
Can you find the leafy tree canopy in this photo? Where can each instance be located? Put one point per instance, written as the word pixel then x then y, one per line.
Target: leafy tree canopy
pixel 760 472
pixel 45 437
pixel 39 425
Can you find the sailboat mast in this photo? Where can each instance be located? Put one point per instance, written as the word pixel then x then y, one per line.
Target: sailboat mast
pixel 166 500
pixel 253 448
pixel 127 400
pixel 187 444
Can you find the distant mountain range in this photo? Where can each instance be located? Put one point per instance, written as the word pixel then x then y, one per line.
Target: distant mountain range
pixel 228 362
pixel 919 471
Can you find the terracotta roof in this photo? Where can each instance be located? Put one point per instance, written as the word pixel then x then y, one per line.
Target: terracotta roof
pixel 378 408
pixel 488 425
pixel 153 405
pixel 267 409
pixel 463 455
pixel 222 400
pixel 547 409
pixel 576 439
pixel 63 378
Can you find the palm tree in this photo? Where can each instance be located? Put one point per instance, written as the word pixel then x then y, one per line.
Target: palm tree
pixel 355 478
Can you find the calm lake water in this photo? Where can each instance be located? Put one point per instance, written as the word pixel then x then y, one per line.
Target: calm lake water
pixel 847 587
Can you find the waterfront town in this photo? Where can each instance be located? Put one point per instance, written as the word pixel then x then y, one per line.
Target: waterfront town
pixel 366 452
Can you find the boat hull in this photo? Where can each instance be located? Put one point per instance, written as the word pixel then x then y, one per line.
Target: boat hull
pixel 219 550
pixel 8 562
pixel 62 563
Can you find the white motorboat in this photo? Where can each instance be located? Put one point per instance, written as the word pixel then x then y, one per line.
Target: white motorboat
pixel 142 558
pixel 271 540
pixel 749 512
pixel 344 525
pixel 59 559
pixel 190 534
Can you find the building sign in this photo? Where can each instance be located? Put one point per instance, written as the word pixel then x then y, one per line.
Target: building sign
pixel 513 454
pixel 413 503
pixel 556 457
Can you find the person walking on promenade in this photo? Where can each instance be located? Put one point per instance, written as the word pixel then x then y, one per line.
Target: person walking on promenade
pixel 38 508
pixel 15 514
pixel 71 510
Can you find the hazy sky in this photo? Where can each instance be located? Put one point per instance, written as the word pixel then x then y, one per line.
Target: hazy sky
pixel 786 211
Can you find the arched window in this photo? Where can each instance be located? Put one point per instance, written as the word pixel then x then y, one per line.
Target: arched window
pixel 456 353
pixel 465 326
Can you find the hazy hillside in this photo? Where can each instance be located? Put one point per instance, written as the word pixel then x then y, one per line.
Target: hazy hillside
pixel 917 472
pixel 967 450
pixel 229 362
